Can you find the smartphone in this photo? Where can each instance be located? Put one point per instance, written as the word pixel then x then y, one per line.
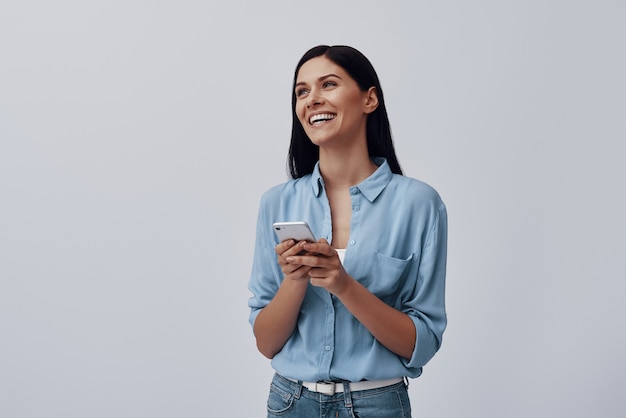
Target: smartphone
pixel 298 231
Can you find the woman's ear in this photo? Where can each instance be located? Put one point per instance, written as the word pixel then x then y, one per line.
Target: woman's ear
pixel 371 100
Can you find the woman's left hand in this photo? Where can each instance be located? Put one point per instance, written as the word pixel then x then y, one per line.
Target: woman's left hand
pixel 326 269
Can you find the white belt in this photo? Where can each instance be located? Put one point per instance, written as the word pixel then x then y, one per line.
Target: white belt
pixel 332 388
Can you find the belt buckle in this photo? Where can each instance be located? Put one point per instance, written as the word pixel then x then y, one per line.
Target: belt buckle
pixel 327 388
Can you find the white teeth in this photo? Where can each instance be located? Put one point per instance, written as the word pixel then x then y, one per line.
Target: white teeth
pixel 321 117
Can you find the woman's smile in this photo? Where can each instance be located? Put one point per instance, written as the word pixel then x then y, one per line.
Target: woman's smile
pixel 321 118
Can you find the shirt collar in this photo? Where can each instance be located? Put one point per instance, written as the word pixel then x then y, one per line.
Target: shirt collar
pixel 371 187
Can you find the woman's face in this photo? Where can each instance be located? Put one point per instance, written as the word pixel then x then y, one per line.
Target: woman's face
pixel 330 105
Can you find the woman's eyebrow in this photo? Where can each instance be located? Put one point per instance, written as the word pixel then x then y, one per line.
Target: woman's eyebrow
pixel 322 78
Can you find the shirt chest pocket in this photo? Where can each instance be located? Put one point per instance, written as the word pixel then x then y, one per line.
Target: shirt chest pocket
pixel 384 274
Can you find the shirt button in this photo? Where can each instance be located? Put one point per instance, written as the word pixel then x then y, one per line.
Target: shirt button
pixel 327 348
pixel 352 242
pixel 356 207
pixel 354 190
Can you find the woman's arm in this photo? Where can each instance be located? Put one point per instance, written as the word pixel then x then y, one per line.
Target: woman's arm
pixel 392 328
pixel 277 321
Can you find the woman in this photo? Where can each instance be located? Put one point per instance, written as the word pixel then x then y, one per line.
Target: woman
pixel 348 318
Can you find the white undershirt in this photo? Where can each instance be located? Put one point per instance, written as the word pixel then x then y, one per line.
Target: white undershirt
pixel 341 253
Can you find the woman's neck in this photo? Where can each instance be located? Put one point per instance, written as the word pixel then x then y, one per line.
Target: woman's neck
pixel 345 168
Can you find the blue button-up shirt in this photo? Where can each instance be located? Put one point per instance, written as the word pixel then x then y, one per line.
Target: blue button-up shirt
pixel 396 249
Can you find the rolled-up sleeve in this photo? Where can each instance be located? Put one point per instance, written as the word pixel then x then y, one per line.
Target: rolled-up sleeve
pixel 427 306
pixel 264 279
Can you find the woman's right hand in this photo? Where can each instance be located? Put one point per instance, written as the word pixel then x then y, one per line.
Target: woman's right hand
pixel 291 271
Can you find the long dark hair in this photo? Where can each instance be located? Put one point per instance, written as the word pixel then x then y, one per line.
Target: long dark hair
pixel 303 154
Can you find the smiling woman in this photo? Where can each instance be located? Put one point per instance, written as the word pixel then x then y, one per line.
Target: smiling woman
pixel 348 318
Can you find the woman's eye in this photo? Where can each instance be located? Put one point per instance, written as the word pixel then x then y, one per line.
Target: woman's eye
pixel 329 84
pixel 300 92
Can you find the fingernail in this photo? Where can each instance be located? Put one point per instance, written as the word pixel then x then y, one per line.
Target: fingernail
pixel 289 259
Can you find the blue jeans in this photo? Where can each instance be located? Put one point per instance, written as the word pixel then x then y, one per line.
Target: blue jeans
pixel 292 400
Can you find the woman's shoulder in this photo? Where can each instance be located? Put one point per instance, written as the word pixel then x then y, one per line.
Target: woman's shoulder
pixel 418 190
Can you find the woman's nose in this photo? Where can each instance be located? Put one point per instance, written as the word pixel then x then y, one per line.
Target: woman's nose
pixel 314 99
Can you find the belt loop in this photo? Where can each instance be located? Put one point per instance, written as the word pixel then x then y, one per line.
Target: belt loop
pixel 347 395
pixel 298 391
pixel 406 381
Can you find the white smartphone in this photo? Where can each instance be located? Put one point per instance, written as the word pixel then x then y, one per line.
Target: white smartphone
pixel 298 231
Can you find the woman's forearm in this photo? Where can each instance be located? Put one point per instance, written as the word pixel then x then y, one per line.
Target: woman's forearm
pixel 277 321
pixel 392 328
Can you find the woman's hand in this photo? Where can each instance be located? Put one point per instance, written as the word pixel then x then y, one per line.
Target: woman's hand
pixel 292 270
pixel 322 265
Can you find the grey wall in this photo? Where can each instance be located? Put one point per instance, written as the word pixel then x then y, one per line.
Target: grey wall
pixel 136 138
